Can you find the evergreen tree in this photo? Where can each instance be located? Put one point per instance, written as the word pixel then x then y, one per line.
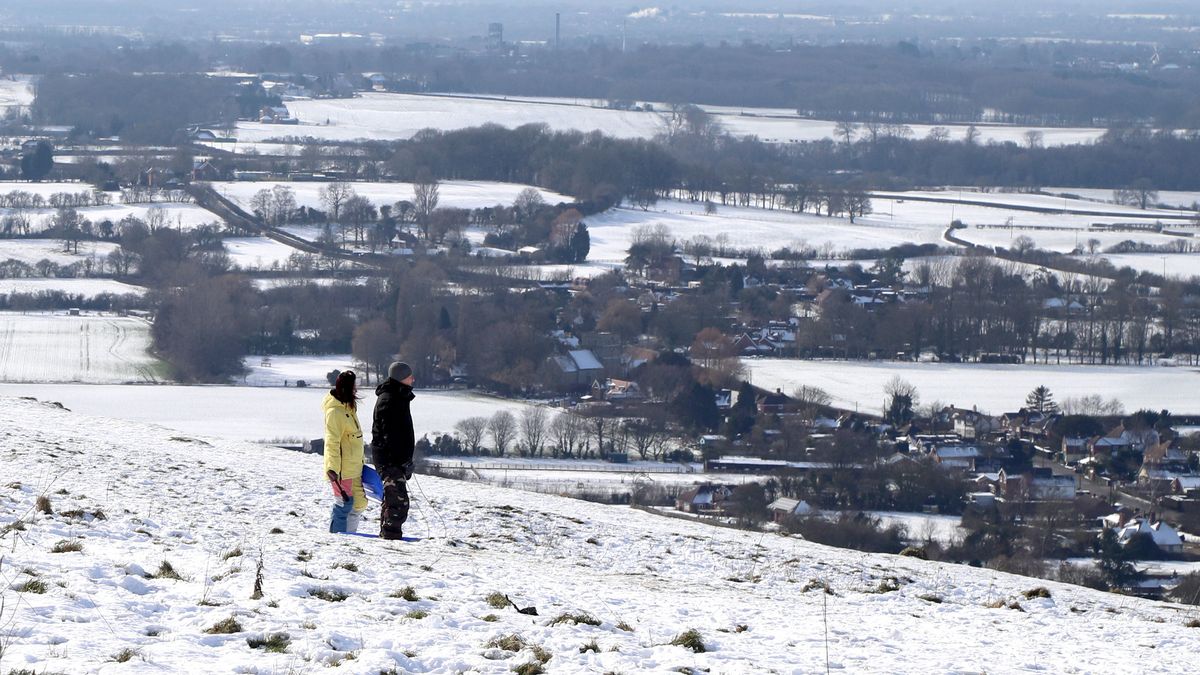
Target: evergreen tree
pixel 36 165
pixel 1041 400
pixel 696 407
pixel 581 244
pixel 1113 561
pixel 742 415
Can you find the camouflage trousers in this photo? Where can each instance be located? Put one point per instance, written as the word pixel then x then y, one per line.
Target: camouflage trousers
pixel 395 503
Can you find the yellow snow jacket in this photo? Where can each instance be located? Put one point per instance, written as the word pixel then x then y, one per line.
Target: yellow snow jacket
pixel 344 446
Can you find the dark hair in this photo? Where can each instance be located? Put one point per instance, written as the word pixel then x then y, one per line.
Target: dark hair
pixel 344 389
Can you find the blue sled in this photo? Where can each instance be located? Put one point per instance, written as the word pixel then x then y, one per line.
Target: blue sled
pixel 372 483
pixel 375 536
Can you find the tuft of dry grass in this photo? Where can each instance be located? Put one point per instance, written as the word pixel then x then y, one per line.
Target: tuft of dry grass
pixel 690 639
pixel 406 593
pixel 67 546
pixel 42 504
pixel 166 571
pixel 497 600
pixel 575 618
pixel 275 642
pixel 224 627
pixel 36 586
pixel 328 594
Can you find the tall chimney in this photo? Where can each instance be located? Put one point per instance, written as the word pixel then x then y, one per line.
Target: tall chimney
pixel 557 28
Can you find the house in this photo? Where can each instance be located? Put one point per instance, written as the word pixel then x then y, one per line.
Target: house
pixel 972 424
pixel 202 169
pixel 1027 424
pixel 724 400
pixel 1164 536
pixel 1187 486
pixel 577 368
pixel 1038 484
pixel 783 508
pixel 704 499
pixel 773 403
pixel 276 114
pixel 1074 448
pixel 616 390
pixel 962 457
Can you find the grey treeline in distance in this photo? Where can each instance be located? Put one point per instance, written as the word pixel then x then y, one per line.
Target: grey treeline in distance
pixel 685 21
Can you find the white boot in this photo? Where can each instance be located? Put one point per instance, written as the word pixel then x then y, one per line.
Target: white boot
pixel 352 521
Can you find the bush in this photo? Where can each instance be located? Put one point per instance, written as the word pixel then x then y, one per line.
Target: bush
pixel 857 531
pixel 1039 592
pixel 690 639
pixel 1188 589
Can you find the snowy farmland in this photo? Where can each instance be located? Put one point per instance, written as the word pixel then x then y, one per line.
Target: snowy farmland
pixel 31 251
pixel 993 388
pixel 177 215
pixel 460 194
pixel 252 413
pixel 382 116
pixel 257 253
pixel 84 288
pixel 163 580
pixel 46 347
pixel 15 91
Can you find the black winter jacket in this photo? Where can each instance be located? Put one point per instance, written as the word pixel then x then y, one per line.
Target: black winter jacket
pixel 392 437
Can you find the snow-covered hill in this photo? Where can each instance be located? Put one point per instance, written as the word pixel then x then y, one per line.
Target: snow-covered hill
pixel 146 505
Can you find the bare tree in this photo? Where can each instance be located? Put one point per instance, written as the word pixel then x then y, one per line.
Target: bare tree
pixel 333 196
pixel 425 200
pixel 472 430
pixel 527 203
pixel 810 399
pixel 901 400
pixel 503 428
pixel 374 343
pixel 566 431
pixel 845 130
pixel 533 430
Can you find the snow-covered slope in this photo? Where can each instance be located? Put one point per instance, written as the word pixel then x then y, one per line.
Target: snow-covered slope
pixel 134 496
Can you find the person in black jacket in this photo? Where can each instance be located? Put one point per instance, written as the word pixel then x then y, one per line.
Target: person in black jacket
pixel 392 442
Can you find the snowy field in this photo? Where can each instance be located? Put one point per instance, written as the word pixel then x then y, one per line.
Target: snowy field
pixel 1184 265
pixel 460 194
pixel 250 253
pixel 1168 197
pixel 30 251
pixel 253 413
pixel 176 215
pixel 612 231
pixel 894 221
pixel 85 288
pixel 15 91
pixel 995 388
pixel 383 116
pixel 92 348
pixel 212 510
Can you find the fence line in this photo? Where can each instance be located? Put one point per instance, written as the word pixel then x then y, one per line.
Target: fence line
pixel 612 468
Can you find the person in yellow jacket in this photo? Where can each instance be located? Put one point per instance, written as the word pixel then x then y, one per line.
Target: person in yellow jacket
pixel 344 453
